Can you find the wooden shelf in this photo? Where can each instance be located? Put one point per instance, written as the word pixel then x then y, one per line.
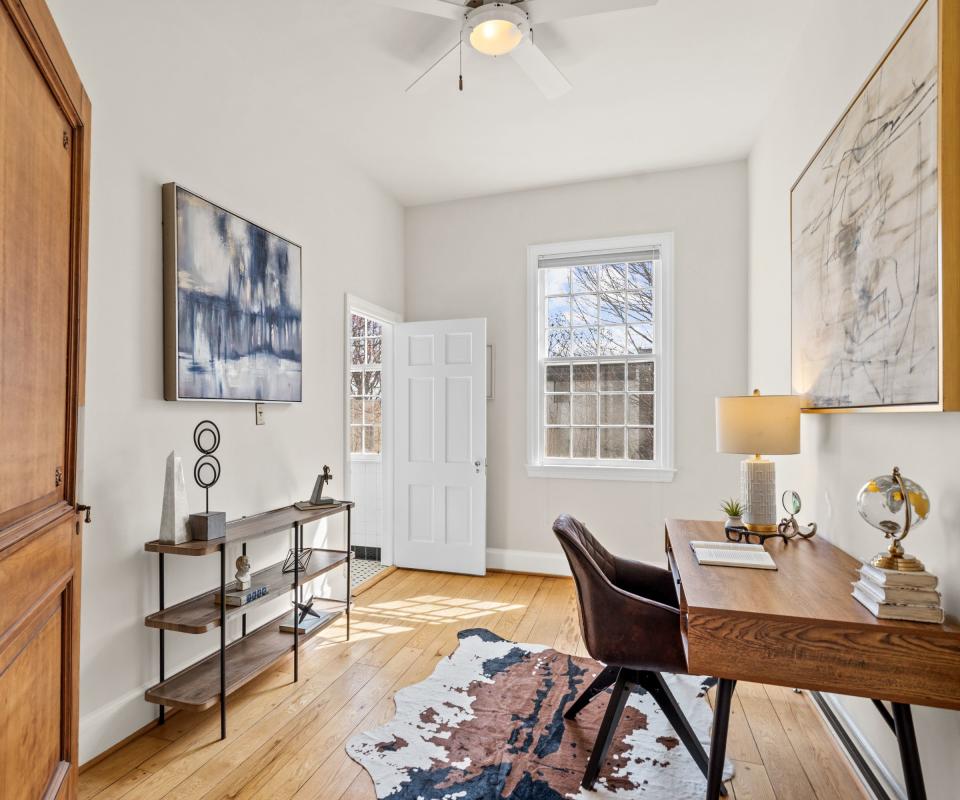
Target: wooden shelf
pixel 246 528
pixel 201 613
pixel 198 687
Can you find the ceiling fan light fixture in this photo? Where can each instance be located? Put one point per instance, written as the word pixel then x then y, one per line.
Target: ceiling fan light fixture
pixel 496 29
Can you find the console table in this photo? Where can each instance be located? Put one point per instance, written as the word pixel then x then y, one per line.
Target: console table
pixel 212 678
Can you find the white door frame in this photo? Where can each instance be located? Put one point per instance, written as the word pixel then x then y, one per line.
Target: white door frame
pixel 389 318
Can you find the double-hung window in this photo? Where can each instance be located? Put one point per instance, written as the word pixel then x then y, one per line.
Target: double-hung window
pixel 600 359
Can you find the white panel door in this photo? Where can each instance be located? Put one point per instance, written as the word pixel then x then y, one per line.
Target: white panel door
pixel 441 452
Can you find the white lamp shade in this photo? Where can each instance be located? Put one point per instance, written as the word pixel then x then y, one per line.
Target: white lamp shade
pixel 762 424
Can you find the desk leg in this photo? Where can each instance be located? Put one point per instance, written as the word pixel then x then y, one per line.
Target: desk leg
pixel 718 740
pixel 909 754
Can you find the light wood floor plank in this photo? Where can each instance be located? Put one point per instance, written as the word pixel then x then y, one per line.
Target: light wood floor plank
pixel 287 740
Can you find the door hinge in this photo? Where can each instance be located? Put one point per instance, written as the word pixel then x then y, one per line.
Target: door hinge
pixel 81 508
pixel 58 476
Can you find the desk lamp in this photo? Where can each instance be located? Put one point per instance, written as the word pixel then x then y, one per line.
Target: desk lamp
pixel 759 424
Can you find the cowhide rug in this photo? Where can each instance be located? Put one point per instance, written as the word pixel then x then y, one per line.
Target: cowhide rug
pixel 488 725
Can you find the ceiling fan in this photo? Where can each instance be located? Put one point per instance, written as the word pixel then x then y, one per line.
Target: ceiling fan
pixel 505 27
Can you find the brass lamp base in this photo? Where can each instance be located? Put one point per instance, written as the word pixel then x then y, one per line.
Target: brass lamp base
pixel 755 528
pixel 900 563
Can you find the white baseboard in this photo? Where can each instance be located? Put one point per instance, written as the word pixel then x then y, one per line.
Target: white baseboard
pixel 527 561
pixel 890 783
pixel 111 723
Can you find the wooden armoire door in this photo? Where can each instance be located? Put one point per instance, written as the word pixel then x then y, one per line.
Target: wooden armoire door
pixel 44 158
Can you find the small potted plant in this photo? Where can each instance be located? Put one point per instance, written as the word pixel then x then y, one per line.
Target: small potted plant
pixel 734 510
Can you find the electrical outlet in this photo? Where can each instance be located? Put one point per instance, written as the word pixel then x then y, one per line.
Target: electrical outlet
pixel 258 407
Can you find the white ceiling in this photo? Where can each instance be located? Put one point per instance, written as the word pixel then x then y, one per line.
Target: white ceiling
pixel 684 82
pixel 681 83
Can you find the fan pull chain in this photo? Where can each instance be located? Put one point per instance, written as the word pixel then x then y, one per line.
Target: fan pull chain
pixel 461 65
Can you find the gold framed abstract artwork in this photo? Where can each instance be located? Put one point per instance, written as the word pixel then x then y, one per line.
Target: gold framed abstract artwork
pixel 875 280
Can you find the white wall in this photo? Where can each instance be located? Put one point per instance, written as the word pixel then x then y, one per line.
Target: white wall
pixel 183 104
pixel 841 452
pixel 468 259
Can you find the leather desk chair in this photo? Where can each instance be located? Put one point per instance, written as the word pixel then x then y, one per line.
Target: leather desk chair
pixel 630 623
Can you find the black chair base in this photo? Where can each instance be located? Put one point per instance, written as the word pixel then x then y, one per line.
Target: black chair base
pixel 625 681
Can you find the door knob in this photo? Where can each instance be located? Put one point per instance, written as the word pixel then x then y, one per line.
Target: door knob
pixel 81 508
pixel 476 466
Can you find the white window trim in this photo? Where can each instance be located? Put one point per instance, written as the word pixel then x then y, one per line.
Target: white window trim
pixel 662 469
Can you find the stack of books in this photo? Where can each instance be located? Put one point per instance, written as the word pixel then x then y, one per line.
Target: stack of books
pixel 240 597
pixel 888 594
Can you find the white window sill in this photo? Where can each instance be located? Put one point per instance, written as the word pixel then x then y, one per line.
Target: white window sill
pixel 366 457
pixel 602 473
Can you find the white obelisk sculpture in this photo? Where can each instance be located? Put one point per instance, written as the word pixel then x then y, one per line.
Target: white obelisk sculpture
pixel 174 521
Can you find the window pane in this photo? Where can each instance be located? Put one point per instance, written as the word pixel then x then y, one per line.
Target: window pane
pixel 556 280
pixel 612 341
pixel 584 342
pixel 584 309
pixel 374 350
pixel 584 377
pixel 613 276
pixel 558 409
pixel 356 325
pixel 640 409
pixel 371 439
pixel 356 411
pixel 371 383
pixel 584 280
pixel 558 343
pixel 558 312
pixel 556 442
pixel 558 378
pixel 639 307
pixel 611 409
pixel 584 442
pixel 356 383
pixel 356 439
pixel 611 377
pixel 640 275
pixel 640 444
pixel 368 439
pixel 640 339
pixel 584 409
pixel 371 412
pixel 612 308
pixel 356 351
pixel 611 443
pixel 640 376
pixel 374 328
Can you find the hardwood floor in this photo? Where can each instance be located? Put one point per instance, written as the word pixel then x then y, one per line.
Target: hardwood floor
pixel 286 740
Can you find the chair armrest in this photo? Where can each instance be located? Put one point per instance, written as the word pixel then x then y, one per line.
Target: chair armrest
pixel 646 580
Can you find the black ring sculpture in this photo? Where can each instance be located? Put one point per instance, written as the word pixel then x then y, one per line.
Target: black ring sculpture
pixel 206 472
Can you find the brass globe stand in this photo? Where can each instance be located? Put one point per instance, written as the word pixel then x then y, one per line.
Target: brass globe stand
pixel 895 558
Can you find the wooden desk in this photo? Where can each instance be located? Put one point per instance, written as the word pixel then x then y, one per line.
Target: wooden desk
pixel 799 626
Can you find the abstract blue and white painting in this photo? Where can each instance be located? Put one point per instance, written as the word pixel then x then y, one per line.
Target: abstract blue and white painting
pixel 238 300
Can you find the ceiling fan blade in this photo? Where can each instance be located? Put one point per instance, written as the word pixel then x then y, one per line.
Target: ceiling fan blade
pixel 436 8
pixel 550 10
pixel 540 69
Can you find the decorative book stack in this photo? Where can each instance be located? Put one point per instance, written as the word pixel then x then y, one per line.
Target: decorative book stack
pixel 889 594
pixel 240 597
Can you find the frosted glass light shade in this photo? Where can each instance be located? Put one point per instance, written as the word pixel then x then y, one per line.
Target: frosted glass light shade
pixel 495 37
pixel 764 424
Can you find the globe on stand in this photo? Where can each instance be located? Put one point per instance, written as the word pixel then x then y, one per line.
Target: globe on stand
pixel 894 505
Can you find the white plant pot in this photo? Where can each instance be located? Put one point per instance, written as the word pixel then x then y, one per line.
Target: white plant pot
pixel 734 522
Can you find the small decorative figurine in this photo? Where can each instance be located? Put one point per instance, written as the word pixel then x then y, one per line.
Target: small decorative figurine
pixel 243 572
pixel 323 479
pixel 174 520
pixel 880 502
pixel 788 527
pixel 206 472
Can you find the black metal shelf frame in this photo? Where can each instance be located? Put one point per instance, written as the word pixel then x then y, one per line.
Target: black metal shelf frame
pixel 298 595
